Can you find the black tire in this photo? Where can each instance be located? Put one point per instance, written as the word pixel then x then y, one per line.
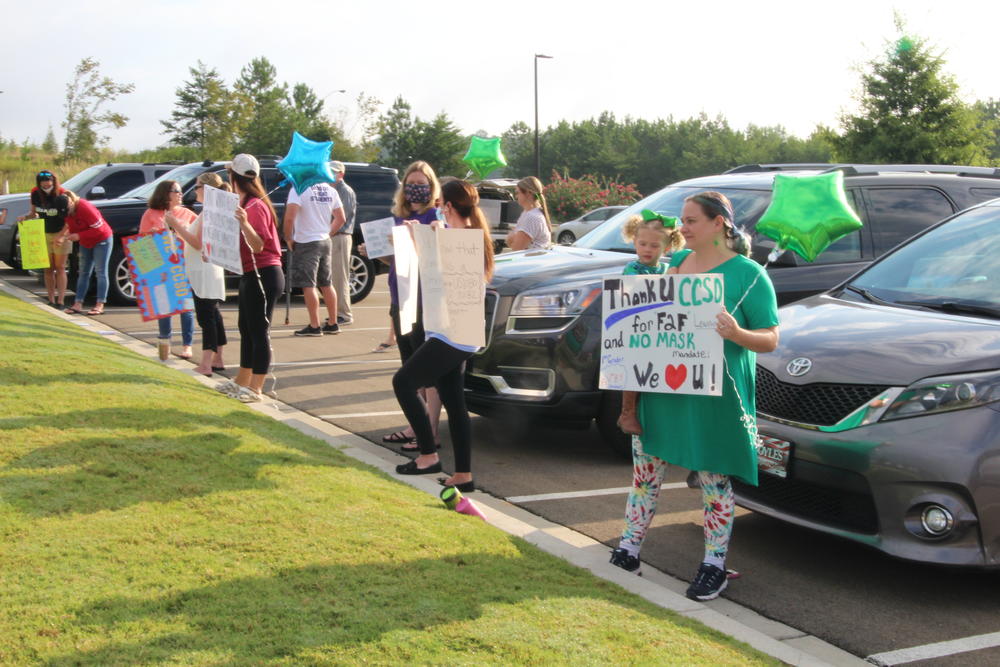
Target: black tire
pixel 567 238
pixel 361 277
pixel 607 424
pixel 15 251
pixel 121 292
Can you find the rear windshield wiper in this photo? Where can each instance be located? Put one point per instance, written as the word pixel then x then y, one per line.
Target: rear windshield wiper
pixel 955 307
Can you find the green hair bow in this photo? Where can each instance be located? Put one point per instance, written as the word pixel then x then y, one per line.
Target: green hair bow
pixel 668 221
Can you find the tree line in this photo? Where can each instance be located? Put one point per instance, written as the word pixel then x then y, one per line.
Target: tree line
pixel 909 112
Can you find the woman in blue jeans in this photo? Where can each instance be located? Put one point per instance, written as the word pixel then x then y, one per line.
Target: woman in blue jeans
pixel 85 225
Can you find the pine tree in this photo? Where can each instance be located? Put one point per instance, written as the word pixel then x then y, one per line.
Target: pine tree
pixel 206 116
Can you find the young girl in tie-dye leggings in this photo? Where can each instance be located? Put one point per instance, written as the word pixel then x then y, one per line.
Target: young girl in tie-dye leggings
pixel 715 435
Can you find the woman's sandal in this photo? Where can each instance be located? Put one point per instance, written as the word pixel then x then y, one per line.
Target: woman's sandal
pixel 412 446
pixel 397 438
pixel 467 487
pixel 95 311
pixel 73 310
pixel 411 468
pixel 382 347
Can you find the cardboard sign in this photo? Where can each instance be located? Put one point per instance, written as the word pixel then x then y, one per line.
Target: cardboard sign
pixel 34 248
pixel 377 235
pixel 220 230
pixel 452 283
pixel 658 334
pixel 157 270
pixel 407 275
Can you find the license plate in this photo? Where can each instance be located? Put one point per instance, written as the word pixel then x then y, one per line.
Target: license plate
pixel 773 456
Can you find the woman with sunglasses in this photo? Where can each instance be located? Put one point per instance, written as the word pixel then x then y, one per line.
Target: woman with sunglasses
pixel 43 205
pixel 166 198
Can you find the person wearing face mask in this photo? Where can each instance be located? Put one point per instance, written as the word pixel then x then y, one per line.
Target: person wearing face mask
pixel 414 201
pixel 43 205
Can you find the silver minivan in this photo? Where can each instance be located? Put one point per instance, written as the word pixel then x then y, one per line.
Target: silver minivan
pixel 879 413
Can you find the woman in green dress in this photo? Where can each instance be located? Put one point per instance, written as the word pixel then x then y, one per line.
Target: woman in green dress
pixel 714 435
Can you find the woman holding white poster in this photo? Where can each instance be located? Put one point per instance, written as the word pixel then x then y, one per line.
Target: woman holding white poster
pixel 208 281
pixel 440 362
pixel 714 435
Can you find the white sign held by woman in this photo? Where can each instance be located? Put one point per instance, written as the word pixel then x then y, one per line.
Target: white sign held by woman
pixel 220 230
pixel 452 283
pixel 658 334
pixel 378 237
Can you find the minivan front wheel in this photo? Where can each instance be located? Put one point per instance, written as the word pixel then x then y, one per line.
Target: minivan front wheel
pixel 607 424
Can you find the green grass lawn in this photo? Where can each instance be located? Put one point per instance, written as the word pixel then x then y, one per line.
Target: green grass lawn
pixel 147 519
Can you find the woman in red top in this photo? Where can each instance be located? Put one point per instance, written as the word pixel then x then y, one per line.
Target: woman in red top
pixel 262 282
pixel 85 225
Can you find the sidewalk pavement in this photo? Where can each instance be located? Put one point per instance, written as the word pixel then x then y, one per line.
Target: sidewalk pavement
pixel 776 639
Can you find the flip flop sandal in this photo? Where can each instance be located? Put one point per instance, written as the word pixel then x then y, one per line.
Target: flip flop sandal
pixel 398 438
pixel 94 311
pixel 382 347
pixel 73 311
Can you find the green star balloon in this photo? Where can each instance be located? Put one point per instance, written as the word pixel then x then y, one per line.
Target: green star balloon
pixel 808 213
pixel 484 156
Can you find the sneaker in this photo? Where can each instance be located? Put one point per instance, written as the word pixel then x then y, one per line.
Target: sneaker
pixel 708 583
pixel 343 320
pixel 331 328
pixel 227 387
pixel 309 330
pixel 626 561
pixel 247 395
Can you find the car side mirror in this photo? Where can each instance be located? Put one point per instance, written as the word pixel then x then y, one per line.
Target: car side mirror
pixel 97 192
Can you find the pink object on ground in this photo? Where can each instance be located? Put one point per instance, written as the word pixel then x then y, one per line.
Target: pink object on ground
pixel 466 506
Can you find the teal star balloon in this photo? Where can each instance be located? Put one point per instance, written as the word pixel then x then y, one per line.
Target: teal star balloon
pixel 808 213
pixel 484 156
pixel 307 163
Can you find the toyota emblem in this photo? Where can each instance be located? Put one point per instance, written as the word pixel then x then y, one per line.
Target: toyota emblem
pixel 799 366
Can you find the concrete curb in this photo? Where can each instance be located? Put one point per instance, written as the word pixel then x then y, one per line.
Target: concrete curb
pixel 776 639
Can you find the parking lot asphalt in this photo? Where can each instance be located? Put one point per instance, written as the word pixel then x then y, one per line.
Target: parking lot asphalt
pixel 855 598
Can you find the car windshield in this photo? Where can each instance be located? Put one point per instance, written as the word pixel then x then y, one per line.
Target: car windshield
pixel 79 181
pixel 747 205
pixel 954 267
pixel 182 175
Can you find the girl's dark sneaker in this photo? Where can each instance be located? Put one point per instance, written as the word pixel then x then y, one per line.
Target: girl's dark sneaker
pixel 626 561
pixel 708 583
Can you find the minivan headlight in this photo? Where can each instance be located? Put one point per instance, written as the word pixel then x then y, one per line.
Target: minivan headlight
pixel 946 393
pixel 556 301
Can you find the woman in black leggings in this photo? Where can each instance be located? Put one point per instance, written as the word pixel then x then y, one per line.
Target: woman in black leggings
pixel 440 363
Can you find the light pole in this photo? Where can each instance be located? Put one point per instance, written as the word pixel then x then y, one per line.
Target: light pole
pixel 538 156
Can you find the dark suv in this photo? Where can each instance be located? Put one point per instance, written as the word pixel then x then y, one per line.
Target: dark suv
pixel 373 185
pixel 102 181
pixel 544 306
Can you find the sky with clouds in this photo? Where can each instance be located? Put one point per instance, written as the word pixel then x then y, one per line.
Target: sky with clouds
pixel 794 64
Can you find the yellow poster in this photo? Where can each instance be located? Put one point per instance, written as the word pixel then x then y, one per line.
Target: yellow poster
pixel 34 250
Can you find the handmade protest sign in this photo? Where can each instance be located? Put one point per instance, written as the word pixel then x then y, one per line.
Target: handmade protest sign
pixel 34 249
pixel 452 283
pixel 220 230
pixel 377 235
pixel 407 275
pixel 658 334
pixel 157 270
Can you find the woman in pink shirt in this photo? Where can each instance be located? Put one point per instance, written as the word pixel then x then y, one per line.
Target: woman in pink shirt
pixel 85 225
pixel 167 198
pixel 263 280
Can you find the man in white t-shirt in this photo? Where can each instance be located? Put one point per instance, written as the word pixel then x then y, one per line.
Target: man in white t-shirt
pixel 309 218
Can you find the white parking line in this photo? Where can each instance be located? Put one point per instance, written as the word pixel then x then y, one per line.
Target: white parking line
pixel 937 650
pixel 585 494
pixel 355 415
pixel 336 363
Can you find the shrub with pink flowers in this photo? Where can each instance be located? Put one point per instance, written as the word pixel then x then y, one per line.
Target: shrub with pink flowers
pixel 569 198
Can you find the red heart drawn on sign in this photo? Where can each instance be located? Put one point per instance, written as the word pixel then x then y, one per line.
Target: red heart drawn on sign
pixel 675 375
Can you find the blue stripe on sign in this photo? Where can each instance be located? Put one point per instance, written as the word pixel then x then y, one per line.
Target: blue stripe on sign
pixel 622 314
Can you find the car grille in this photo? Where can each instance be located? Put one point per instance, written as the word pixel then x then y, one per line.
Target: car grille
pixel 820 404
pixel 842 508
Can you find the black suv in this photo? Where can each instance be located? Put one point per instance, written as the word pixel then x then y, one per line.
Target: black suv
pixel 373 185
pixel 102 181
pixel 544 306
